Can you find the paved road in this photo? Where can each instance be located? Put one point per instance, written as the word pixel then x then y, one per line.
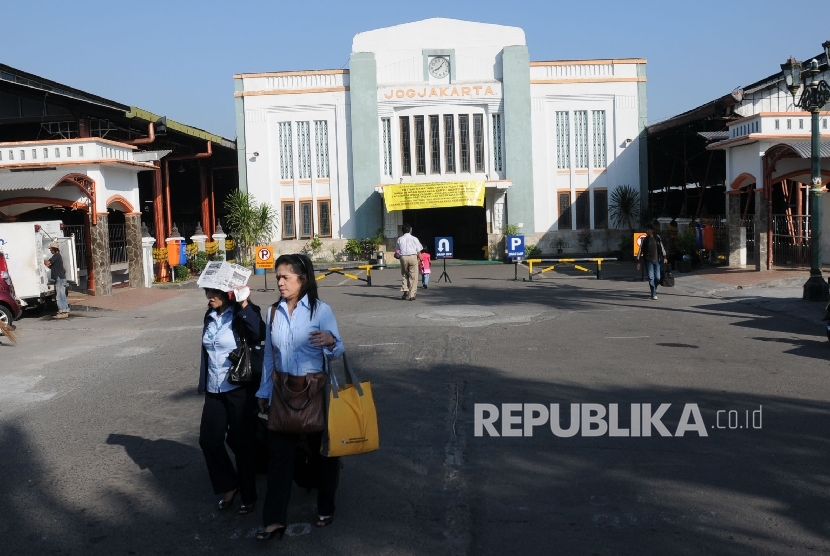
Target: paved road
pixel 99 423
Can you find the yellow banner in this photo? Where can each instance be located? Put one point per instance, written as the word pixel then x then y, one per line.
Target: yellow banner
pixel 406 196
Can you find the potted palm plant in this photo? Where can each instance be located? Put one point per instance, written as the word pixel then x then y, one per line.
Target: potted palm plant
pixel 251 223
pixel 624 212
pixel 560 244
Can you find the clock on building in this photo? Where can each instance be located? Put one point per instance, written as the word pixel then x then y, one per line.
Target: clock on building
pixel 439 67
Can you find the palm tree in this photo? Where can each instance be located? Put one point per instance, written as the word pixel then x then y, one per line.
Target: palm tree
pixel 250 223
pixel 624 208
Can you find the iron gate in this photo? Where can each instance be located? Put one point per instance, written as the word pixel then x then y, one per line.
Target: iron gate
pixel 791 241
pixel 80 243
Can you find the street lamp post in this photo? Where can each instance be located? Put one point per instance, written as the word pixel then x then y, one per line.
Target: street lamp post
pixel 815 94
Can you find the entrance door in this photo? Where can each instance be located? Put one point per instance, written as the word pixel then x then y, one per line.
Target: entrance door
pixel 466 225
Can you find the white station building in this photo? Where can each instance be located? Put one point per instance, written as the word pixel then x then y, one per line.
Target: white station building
pixel 443 102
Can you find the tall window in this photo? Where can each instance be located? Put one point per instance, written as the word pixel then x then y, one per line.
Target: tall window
pixel 565 210
pixel 386 124
pixel 420 146
pixel 464 141
pixel 581 138
pixel 449 144
pixel 286 156
pixel 600 152
pixel 434 145
pixel 406 151
pixel 583 210
pixel 321 146
pixel 303 150
pixel 288 219
pixel 478 141
pixel 600 208
pixel 324 218
pixel 497 158
pixel 306 221
pixel 563 143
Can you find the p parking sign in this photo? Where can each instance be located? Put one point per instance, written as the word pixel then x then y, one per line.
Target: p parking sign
pixel 264 256
pixel 515 247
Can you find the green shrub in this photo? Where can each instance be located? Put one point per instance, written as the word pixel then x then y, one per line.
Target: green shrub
pixel 182 273
pixel 199 262
pixel 532 251
pixel 585 239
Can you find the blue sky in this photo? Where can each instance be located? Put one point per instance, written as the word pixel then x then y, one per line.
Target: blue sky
pixel 178 58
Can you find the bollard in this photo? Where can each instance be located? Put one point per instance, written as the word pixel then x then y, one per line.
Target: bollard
pixel 599 269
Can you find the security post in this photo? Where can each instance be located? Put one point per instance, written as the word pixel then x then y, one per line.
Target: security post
pixel 265 259
pixel 443 250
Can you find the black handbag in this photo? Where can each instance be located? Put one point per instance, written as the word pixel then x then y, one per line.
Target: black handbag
pixel 240 372
pixel 666 277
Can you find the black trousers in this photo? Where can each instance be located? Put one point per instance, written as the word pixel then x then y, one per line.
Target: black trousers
pixel 233 414
pixel 281 448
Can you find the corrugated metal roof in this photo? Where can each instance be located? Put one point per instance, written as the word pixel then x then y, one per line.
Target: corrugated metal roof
pixel 805 149
pixel 147 116
pixel 43 179
pixel 714 135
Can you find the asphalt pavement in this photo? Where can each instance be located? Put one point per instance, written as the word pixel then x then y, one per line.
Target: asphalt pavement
pixel 99 423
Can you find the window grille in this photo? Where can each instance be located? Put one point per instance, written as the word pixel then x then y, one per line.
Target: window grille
pixel 321 147
pixel 386 125
pixel 81 150
pixel 565 210
pixel 497 157
pixel 478 141
pixel 406 148
pixel 324 216
pixel 22 154
pixel 420 146
pixel 1 155
pixel 600 208
pixel 286 154
pixel 581 138
pixel 600 152
pixel 434 145
pixel 303 151
pixel 288 219
pixel 583 210
pixel 464 141
pixel 57 152
pixel 563 143
pixel 306 223
pixel 11 155
pixel 69 152
pixel 45 153
pixel 449 144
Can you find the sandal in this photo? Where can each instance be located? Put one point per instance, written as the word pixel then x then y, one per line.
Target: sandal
pixel 247 508
pixel 323 521
pixel 224 503
pixel 265 535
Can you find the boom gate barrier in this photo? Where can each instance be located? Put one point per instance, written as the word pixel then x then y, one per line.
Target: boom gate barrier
pixel 530 263
pixel 339 270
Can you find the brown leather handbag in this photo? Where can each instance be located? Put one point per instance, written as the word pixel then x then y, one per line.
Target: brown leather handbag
pixel 297 402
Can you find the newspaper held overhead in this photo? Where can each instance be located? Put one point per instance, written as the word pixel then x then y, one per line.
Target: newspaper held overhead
pixel 224 276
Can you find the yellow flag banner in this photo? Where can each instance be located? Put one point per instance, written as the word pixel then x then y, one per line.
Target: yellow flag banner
pixel 406 196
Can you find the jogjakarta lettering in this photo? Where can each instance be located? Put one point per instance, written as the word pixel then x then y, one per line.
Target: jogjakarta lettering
pixel 465 91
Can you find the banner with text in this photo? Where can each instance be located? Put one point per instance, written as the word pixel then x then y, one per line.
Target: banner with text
pixel 407 196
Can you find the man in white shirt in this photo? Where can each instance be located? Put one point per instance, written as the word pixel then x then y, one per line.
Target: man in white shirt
pixel 408 246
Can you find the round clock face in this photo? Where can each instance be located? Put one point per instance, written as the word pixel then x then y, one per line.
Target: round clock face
pixel 439 67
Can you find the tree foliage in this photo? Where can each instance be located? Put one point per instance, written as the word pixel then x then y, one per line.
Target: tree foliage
pixel 250 223
pixel 624 208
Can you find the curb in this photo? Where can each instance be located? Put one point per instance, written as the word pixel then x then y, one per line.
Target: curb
pixel 87 308
pixel 187 285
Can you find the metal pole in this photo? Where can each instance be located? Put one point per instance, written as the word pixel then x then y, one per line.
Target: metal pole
pixel 816 288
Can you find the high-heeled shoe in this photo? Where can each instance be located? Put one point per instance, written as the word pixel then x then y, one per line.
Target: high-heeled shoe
pixel 225 504
pixel 323 521
pixel 245 509
pixel 265 535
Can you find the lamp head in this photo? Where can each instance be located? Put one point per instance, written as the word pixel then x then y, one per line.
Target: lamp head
pixel 792 75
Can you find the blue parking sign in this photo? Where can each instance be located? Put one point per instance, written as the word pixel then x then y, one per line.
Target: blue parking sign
pixel 443 247
pixel 515 247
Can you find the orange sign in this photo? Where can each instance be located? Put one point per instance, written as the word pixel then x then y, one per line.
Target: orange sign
pixel 638 241
pixel 264 256
pixel 445 91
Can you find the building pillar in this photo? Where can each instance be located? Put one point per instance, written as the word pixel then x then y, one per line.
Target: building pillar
pixel 682 224
pixel 665 223
pixel 147 243
pixel 518 138
pixel 365 143
pixel 761 231
pixel 135 260
pixel 219 237
pixel 735 233
pixel 99 247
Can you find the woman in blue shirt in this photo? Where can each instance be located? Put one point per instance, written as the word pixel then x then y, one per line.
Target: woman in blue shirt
pixel 302 332
pixel 229 410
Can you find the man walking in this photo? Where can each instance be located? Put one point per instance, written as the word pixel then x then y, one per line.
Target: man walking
pixel 408 246
pixel 654 253
pixel 55 264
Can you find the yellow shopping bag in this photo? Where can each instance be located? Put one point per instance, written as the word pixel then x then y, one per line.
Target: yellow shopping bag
pixel 352 422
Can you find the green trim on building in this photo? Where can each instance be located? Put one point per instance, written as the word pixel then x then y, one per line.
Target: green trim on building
pixel 365 143
pixel 642 138
pixel 147 116
pixel 241 158
pixel 518 137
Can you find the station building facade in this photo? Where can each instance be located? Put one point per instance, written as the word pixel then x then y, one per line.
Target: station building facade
pixel 444 103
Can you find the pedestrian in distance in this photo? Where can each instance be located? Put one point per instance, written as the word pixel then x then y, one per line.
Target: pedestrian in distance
pixel 653 254
pixel 409 247
pixel 230 410
pixel 55 264
pixel 301 334
pixel 423 267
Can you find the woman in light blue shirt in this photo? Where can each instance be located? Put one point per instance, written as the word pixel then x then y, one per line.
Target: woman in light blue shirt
pixel 300 335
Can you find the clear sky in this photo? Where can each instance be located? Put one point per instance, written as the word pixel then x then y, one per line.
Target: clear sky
pixel 178 58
